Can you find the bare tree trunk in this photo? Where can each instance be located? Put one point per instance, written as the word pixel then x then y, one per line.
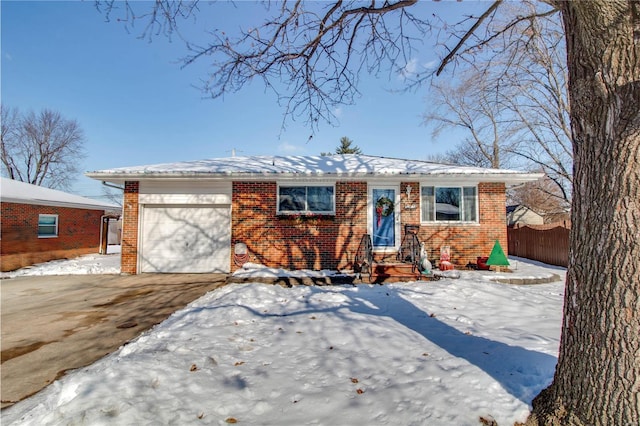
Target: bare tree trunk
pixel 597 380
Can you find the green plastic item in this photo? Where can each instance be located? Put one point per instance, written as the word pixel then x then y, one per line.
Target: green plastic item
pixel 497 256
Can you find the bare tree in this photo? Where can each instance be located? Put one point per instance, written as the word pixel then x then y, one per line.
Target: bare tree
pixel 476 109
pixel 42 149
pixel 536 94
pixel 541 196
pixel 513 103
pixel 597 378
pixel 9 124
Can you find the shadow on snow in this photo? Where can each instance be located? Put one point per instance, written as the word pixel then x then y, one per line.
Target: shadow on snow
pixel 516 369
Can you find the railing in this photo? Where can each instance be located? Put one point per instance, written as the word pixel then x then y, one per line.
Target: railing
pixel 410 247
pixel 409 253
pixel 363 261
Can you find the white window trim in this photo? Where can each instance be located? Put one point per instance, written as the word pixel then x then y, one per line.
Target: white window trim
pixel 305 212
pixel 451 222
pixel 56 225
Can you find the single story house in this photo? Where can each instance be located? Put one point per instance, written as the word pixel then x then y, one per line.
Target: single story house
pixel 306 212
pixel 39 224
pixel 519 214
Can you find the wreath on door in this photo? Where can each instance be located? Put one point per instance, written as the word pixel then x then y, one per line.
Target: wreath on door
pixel 384 208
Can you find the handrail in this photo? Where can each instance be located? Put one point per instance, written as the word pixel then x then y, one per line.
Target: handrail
pixel 410 248
pixel 364 256
pixel 410 251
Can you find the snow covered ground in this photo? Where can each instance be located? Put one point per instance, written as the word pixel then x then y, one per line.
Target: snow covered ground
pixel 421 353
pixel 90 264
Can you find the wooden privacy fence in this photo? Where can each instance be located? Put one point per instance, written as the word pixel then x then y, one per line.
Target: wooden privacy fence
pixel 548 245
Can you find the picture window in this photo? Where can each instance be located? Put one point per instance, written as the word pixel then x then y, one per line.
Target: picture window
pixel 306 199
pixel 449 204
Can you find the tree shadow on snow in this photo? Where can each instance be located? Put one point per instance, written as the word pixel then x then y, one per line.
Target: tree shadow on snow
pixel 518 370
pixel 521 372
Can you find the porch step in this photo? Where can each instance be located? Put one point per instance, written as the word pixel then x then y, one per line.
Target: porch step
pixel 388 272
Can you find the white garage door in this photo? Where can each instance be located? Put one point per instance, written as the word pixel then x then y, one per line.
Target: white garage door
pixel 185 239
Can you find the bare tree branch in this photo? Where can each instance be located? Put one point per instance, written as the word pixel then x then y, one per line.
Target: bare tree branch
pixel 468 34
pixel 519 92
pixel 309 54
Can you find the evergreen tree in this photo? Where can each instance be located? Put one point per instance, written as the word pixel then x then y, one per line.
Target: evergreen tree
pixel 346 148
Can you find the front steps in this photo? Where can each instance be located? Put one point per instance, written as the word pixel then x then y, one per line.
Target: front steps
pixel 393 272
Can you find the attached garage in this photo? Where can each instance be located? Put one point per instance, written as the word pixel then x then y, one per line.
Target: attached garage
pixel 184 230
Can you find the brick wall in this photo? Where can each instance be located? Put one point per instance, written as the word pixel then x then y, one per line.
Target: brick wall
pixel 328 242
pixel 129 261
pixel 466 242
pixel 331 242
pixel 78 234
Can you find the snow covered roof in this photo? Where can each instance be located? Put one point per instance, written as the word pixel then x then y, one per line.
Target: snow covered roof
pixel 13 191
pixel 334 166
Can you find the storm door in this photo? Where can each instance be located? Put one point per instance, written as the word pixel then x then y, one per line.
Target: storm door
pixel 383 219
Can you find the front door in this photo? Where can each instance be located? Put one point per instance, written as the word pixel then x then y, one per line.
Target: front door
pixel 383 220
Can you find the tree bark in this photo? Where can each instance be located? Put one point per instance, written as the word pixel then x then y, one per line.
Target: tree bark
pixel 597 379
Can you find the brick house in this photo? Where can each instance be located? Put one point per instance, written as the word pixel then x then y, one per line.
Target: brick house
pixel 39 224
pixel 303 212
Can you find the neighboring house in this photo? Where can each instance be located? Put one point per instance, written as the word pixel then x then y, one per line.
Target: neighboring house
pixel 304 212
pixel 39 224
pixel 523 215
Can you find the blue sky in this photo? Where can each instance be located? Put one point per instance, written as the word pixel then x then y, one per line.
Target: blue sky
pixel 137 106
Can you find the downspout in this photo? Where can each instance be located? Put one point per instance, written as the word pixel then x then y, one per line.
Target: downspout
pixel 121 188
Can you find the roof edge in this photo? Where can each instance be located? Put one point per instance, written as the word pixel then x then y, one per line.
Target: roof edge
pixel 105 207
pixel 507 178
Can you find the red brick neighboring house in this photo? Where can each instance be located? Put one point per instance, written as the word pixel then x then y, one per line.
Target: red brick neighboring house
pixel 39 224
pixel 304 212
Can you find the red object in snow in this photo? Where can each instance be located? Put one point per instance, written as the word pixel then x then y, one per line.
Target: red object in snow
pixel 482 263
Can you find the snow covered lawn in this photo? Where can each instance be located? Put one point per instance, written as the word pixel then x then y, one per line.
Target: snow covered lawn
pixel 83 265
pixel 422 353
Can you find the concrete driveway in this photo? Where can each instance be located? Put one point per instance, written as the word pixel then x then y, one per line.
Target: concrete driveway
pixel 51 324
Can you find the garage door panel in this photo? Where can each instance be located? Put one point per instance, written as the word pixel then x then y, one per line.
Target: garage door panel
pixel 186 239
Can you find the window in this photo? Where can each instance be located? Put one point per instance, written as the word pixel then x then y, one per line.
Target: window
pixel 449 204
pixel 47 225
pixel 306 199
